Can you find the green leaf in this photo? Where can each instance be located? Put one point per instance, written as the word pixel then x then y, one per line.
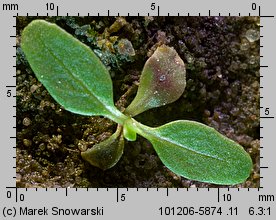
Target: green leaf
pixel 128 131
pixel 163 81
pixel 198 152
pixel 70 71
pixel 108 152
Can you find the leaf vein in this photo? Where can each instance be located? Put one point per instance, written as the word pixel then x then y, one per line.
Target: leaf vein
pixel 81 83
pixel 186 148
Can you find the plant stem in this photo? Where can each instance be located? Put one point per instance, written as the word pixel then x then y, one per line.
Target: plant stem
pixel 138 128
pixel 115 115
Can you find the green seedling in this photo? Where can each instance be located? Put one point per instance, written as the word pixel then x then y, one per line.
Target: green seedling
pixel 77 80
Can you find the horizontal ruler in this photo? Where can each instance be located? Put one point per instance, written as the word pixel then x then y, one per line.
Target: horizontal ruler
pixel 153 202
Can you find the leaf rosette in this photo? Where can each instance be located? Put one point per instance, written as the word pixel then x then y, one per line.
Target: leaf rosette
pixel 76 78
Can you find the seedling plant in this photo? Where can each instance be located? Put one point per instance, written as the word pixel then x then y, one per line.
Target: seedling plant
pixel 77 79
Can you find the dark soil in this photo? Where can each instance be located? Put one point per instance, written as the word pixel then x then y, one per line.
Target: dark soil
pixel 222 92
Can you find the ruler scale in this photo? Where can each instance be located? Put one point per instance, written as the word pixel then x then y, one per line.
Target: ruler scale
pixel 137 203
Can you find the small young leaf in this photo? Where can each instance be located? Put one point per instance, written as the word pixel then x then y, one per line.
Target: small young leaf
pixel 128 131
pixel 198 152
pixel 70 71
pixel 107 153
pixel 163 81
